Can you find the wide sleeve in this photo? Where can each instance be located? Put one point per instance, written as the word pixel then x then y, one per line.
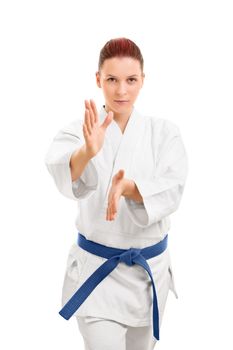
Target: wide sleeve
pixel 57 161
pixel 162 191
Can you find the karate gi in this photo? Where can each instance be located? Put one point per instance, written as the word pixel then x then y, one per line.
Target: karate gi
pixel 152 154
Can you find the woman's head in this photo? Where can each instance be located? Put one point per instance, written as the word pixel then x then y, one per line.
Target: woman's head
pixel 120 47
pixel 120 74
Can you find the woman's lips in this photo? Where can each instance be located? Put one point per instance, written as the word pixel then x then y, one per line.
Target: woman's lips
pixel 121 102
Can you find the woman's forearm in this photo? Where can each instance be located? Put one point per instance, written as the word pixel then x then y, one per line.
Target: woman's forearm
pixel 78 162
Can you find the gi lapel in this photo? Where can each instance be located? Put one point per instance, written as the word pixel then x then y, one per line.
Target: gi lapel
pixel 133 134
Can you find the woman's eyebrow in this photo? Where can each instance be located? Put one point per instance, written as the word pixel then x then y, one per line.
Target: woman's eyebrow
pixel 130 76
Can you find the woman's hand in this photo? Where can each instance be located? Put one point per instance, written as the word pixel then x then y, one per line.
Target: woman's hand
pixel 92 131
pixel 115 193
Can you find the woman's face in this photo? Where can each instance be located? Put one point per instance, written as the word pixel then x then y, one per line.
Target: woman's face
pixel 121 79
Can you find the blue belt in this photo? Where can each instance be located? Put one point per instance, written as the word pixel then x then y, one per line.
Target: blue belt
pixel 130 257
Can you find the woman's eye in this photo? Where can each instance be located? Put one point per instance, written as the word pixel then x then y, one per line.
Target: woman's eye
pixel 132 79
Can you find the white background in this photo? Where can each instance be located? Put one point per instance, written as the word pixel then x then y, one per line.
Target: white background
pixel 49 55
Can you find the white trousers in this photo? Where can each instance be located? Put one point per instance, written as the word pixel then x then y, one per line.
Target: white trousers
pixel 104 334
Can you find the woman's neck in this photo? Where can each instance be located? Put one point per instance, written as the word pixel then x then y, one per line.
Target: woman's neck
pixel 120 119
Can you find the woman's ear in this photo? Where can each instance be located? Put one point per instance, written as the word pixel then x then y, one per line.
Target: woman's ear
pixel 143 77
pixel 97 74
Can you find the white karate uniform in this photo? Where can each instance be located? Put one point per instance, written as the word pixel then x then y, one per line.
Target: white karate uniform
pixel 152 154
pixel 103 334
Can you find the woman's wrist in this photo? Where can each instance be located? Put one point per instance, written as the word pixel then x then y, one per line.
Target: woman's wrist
pixel 131 191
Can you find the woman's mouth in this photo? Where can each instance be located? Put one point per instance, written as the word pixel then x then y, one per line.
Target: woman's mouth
pixel 121 102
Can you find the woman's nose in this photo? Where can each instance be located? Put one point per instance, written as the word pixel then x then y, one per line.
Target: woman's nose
pixel 121 89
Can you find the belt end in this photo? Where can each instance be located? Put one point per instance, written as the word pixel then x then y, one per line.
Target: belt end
pixel 64 315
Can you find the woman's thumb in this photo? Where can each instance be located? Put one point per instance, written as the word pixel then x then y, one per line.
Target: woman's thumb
pixel 108 119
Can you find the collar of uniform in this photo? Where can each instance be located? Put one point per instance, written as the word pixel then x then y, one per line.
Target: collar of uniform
pixel 134 115
pixel 125 144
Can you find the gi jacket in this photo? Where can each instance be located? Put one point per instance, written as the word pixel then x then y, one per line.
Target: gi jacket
pixel 152 154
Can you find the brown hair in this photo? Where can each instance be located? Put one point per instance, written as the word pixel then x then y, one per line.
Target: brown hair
pixel 120 47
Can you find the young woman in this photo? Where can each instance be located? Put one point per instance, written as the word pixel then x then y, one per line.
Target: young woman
pixel 126 172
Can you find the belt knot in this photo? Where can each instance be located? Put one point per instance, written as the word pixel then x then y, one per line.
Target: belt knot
pixel 129 255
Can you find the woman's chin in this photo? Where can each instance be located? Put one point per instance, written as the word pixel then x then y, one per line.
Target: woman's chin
pixel 121 108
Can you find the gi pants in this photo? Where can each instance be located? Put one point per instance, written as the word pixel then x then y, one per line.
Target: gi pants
pixel 104 334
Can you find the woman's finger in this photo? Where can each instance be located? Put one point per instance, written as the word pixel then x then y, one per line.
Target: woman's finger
pixel 96 116
pixel 111 213
pixel 113 206
pixel 92 117
pixel 108 214
pixel 85 131
pixel 87 121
